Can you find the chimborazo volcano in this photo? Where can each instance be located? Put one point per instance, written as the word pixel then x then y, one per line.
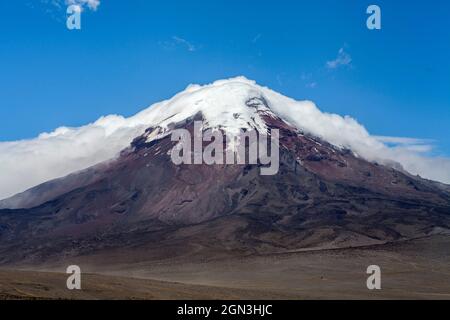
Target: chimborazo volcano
pixel 140 206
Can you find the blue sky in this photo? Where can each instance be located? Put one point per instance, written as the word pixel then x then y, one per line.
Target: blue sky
pixel 130 54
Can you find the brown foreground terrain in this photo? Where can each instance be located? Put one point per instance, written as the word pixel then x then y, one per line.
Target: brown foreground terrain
pixel 417 269
pixel 29 285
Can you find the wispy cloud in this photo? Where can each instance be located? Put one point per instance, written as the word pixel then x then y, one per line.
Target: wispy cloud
pixel 280 82
pixel 311 85
pixel 308 80
pixel 180 41
pixel 403 140
pixel 57 8
pixel 257 37
pixel 91 4
pixel 61 5
pixel 56 3
pixel 342 59
pixel 305 76
pixel 410 144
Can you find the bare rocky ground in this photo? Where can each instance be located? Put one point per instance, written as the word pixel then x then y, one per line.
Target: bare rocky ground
pixel 30 285
pixel 417 269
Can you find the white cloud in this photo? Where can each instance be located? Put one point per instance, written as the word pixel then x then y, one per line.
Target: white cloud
pixel 342 59
pixel 26 163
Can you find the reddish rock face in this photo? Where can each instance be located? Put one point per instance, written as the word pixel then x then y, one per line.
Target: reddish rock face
pixel 143 204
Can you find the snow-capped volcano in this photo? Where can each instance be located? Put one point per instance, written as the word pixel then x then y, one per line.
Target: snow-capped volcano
pixel 224 104
pixel 138 203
